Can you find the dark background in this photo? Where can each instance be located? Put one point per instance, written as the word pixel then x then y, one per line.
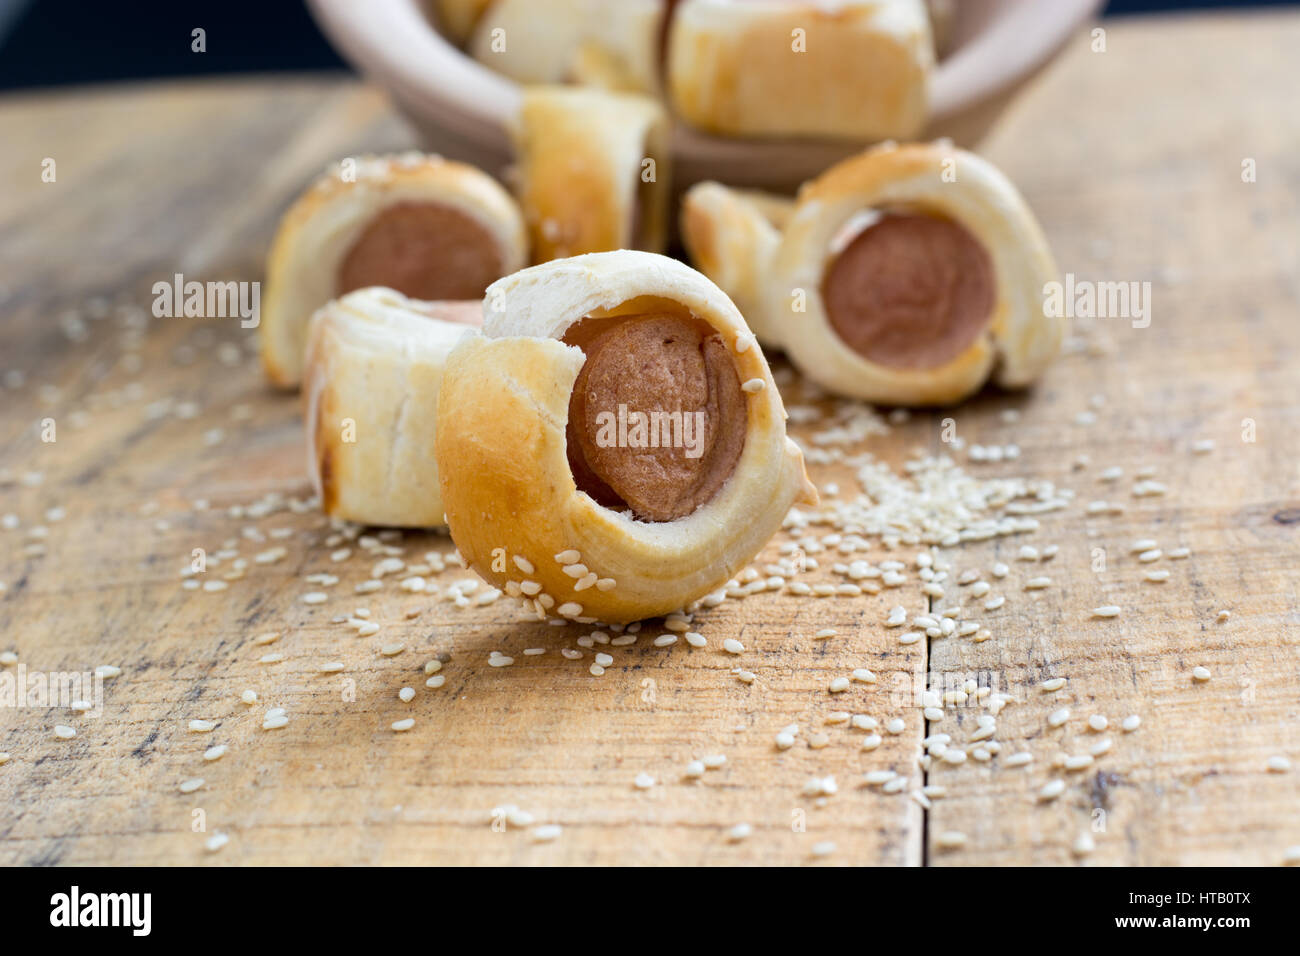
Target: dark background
pixel 53 42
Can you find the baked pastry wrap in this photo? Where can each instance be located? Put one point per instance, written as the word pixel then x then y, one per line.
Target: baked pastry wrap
pixel 930 260
pixel 428 227
pixel 853 69
pixel 506 440
pixel 374 362
pixel 731 236
pixel 593 171
pixel 614 45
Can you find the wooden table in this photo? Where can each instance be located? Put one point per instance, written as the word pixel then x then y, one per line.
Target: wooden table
pixel 1133 159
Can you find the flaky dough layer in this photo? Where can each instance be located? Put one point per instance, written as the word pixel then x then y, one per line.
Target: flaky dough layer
pixel 593 171
pixel 507 488
pixel 1020 341
pixel 374 364
pixel 321 228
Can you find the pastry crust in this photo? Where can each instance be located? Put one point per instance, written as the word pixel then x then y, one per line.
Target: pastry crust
pixel 855 69
pixel 731 236
pixel 374 364
pixel 593 171
pixel 588 42
pixel 322 226
pixel 1019 340
pixel 509 494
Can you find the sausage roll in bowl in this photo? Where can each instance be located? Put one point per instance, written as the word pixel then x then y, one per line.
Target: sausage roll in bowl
pixel 587 42
pixel 427 227
pixel 612 446
pixel 374 363
pixel 853 69
pixel 910 275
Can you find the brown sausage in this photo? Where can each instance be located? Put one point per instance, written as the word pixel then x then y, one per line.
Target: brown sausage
pixel 676 372
pixel 425 250
pixel 910 291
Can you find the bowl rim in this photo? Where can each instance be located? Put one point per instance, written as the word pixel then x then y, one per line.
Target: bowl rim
pixel 429 75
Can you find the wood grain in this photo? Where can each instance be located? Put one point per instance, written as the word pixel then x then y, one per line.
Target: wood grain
pixel 1134 178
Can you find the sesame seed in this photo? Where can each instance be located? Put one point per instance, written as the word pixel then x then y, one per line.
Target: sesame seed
pixel 569 556
pixel 215 753
pixel 753 385
pixel 315 597
pixel 1058 717
pixel 201 726
pixel 216 842
pixel 275 722
pixel 190 785
pixel 839 685
pixel 1052 790
pixel 1083 844
pixel 249 697
pixel 1201 674
pixel 1279 764
pixel 1022 759
pixel 64 732
pixel 823 849
pixel 950 840
pixel 864 676
pixel 523 564
pixel 402 725
pixel 896 726
pixel 331 667
pixel 643 781
pixel 665 640
pixel 1106 610
pixel 695 639
pixel 740 831
pixel 546 833
pixel 1098 722
pixel 1052 684
pixel 1131 723
pixel 1078 762
pixel 1222 616
pixel 1037 584
pixel 733 646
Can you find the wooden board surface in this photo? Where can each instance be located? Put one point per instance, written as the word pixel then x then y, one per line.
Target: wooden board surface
pixel 166 440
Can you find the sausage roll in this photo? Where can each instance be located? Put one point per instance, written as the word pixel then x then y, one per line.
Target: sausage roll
pixel 374 362
pixel 588 42
pixel 731 236
pixel 612 446
pixel 425 226
pixel 909 275
pixel 855 69
pixel 593 171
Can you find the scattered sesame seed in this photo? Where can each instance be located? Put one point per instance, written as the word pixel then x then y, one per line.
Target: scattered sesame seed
pixel 733 646
pixel 216 842
pixel 741 831
pixel 1106 610
pixel 1051 790
pixel 950 840
pixel 402 725
pixel 643 781
pixel 64 732
pixel 1131 723
pixel 1201 674
pixel 1279 764
pixel 190 785
pixel 546 833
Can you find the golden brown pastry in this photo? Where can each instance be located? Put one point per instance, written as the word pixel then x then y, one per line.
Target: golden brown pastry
pixel 427 227
pixel 909 275
pixel 731 236
pixel 614 45
pixel 374 363
pixel 612 446
pixel 457 18
pixel 855 69
pixel 593 171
